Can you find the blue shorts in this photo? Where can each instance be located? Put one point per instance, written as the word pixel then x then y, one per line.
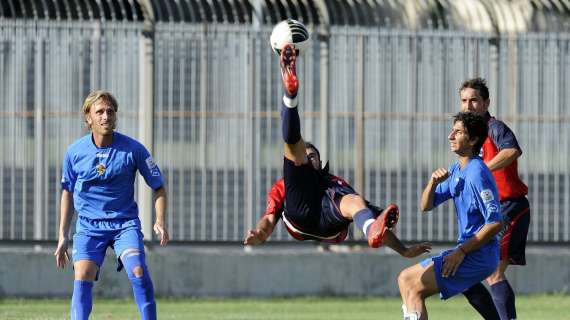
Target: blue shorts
pixel 476 266
pixel 93 237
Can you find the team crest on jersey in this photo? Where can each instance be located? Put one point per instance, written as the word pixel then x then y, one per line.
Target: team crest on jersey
pixel 100 168
pixel 487 195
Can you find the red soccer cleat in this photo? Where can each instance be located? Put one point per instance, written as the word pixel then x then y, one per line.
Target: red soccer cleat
pixel 288 61
pixel 386 220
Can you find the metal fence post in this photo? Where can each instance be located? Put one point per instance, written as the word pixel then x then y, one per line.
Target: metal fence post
pixel 146 132
pixel 39 140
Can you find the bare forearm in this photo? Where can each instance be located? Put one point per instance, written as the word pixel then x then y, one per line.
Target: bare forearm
pixel 66 213
pixel 504 158
pixel 393 242
pixel 426 202
pixel 266 225
pixel 481 237
pixel 160 204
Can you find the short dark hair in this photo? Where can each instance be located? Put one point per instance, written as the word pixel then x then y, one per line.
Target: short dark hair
pixel 478 84
pixel 309 145
pixel 476 127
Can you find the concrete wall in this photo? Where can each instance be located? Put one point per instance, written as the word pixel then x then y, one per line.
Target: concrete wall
pixel 274 270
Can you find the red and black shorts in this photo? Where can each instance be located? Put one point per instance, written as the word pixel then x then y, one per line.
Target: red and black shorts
pixel 307 204
pixel 516 214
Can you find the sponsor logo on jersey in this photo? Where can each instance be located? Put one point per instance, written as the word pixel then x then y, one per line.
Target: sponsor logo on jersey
pixel 102 155
pixel 487 195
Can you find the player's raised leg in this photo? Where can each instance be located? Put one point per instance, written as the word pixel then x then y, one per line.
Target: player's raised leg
pixel 374 226
pixel 295 149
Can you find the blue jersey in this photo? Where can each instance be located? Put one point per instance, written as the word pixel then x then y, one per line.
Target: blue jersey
pixel 102 179
pixel 475 195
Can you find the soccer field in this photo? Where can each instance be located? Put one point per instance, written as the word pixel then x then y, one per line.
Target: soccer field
pixel 528 307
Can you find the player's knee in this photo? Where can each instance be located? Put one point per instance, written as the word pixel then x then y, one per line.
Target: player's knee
pixel 410 282
pixel 85 275
pixel 405 279
pixel 138 271
pixel 84 270
pixel 133 261
pixel 352 203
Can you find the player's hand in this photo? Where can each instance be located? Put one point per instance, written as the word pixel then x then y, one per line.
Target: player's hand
pixel 417 249
pixel 451 263
pixel 439 175
pixel 161 231
pixel 61 254
pixel 255 237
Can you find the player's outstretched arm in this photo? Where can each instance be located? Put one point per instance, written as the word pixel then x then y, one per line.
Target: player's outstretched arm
pixel 66 212
pixel 412 251
pixel 160 223
pixel 264 229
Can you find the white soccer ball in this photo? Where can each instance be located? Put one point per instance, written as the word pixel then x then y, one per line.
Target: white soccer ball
pixel 289 32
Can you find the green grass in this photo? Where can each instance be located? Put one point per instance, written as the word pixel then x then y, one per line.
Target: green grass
pixel 529 307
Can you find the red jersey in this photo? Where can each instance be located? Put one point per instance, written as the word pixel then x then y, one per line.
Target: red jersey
pixel 508 181
pixel 276 198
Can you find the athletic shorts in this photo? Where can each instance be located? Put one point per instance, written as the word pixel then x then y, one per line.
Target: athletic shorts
pixel 307 205
pixel 93 237
pixel 516 215
pixel 476 267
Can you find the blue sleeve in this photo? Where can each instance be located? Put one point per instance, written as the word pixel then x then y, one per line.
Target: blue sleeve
pixel 502 136
pixel 68 176
pixel 487 196
pixel 148 168
pixel 442 193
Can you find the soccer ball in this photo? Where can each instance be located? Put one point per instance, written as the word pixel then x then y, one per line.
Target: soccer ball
pixel 289 32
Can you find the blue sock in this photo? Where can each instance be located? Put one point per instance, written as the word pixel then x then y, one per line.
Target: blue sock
pixel 504 298
pixel 480 298
pixel 363 219
pixel 143 290
pixel 82 300
pixel 290 124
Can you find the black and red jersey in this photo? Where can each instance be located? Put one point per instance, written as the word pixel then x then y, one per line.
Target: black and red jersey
pixel 276 196
pixel 508 181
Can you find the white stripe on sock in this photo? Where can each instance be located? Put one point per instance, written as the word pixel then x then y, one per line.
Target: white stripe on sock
pixel 290 103
pixel 366 224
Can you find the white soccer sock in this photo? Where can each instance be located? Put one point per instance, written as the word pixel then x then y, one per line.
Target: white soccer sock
pixel 410 315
